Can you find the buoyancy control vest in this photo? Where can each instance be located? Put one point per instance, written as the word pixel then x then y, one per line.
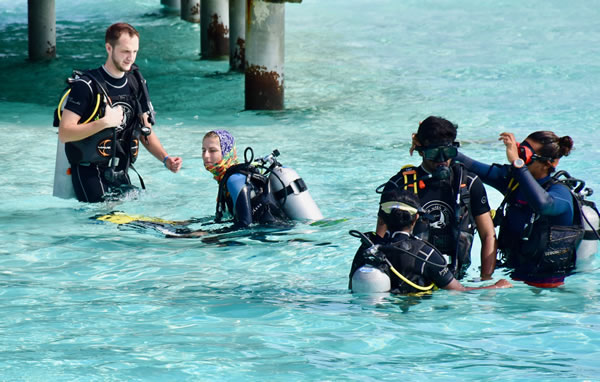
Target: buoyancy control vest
pixel 463 226
pixel 396 260
pixel 277 193
pixel 545 249
pixel 263 207
pixel 98 148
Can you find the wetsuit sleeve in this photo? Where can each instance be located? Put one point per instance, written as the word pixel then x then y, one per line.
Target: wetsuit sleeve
pixel 479 200
pixel 495 175
pixel 556 201
pixel 436 269
pixel 80 98
pixel 240 194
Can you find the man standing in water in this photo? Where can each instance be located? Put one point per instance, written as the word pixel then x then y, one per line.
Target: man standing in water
pixel 107 114
pixel 454 199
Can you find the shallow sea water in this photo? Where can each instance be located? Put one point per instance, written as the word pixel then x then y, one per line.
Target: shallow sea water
pixel 84 300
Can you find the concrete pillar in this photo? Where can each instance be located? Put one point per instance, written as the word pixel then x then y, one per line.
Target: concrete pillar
pixel 41 15
pixel 190 10
pixel 264 55
pixel 214 30
pixel 237 34
pixel 171 6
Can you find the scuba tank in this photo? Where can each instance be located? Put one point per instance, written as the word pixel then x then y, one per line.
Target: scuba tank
pixel 290 191
pixel 63 184
pixel 588 214
pixel 368 279
pixel 589 245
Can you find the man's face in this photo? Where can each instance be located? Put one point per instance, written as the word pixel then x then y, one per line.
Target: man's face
pixel 123 54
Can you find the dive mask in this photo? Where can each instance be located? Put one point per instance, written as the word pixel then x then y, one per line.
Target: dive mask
pixel 528 155
pixel 439 153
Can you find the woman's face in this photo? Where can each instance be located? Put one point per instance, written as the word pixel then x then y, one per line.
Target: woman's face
pixel 211 151
pixel 539 169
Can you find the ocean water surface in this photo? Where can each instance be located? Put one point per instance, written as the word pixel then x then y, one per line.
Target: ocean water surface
pixel 86 300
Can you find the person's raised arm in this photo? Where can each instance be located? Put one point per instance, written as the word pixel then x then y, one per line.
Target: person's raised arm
pixel 493 175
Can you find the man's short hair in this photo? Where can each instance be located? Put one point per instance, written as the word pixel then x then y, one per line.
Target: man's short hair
pixel 434 130
pixel 114 32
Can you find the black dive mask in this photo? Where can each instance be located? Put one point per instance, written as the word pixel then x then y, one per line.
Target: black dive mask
pixel 440 152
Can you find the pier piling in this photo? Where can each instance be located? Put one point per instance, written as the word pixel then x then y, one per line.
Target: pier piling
pixel 41 15
pixel 190 10
pixel 237 34
pixel 214 27
pixel 264 55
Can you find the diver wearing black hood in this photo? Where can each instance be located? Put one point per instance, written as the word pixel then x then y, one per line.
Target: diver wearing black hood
pixel 455 198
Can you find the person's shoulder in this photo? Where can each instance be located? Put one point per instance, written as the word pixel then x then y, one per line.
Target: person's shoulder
pixel 236 178
pixel 405 170
pixel 429 252
pixel 559 188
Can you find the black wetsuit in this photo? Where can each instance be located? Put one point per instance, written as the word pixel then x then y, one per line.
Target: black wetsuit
pixel 89 175
pixel 438 199
pixel 415 269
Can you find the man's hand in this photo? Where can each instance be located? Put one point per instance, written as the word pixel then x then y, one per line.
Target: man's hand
pixel 113 116
pixel 173 163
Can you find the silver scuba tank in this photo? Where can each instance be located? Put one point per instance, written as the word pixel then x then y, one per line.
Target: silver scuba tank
pixel 63 185
pixel 589 245
pixel 291 193
pixel 368 279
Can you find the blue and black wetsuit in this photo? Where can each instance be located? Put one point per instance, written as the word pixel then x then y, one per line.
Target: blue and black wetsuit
pixel 534 207
pixel 245 194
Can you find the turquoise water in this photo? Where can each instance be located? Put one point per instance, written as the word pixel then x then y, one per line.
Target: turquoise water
pixel 92 301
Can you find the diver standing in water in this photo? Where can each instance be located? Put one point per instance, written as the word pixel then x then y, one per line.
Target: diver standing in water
pixel 106 115
pixel 400 262
pixel 260 191
pixel 540 218
pixel 455 198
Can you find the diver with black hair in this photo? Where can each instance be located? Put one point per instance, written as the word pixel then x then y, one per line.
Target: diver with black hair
pixel 540 217
pixel 454 197
pixel 398 261
pixel 107 114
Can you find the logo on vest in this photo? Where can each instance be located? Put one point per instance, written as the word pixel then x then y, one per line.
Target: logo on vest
pixel 441 213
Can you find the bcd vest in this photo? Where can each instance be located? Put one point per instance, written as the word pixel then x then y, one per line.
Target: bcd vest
pixel 463 226
pixel 542 248
pixel 98 148
pixel 265 208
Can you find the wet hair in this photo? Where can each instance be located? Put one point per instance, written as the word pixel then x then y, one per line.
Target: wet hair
pixel 397 219
pixel 114 32
pixel 553 146
pixel 435 130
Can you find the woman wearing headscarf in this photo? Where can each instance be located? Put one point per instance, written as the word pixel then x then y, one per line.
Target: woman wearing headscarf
pixel 243 193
